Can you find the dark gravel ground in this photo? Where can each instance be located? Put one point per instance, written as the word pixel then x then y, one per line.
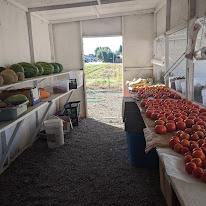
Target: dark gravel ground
pixel 91 168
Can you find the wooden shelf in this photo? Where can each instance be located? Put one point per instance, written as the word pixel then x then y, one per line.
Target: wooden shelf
pixel 5 86
pixel 55 97
pixel 6 124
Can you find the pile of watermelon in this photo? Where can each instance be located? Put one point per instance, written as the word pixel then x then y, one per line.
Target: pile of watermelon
pixel 37 69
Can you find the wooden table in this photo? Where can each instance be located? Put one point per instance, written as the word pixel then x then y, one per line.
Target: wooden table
pixel 188 194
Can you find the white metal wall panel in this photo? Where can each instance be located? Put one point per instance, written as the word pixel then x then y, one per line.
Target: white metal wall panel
pixel 137 46
pixel 179 12
pixel 67 45
pixel 102 27
pixel 161 21
pixel 14 40
pixel 41 41
pixel 200 8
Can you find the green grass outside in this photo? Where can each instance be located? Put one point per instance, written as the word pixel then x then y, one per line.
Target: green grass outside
pixel 104 76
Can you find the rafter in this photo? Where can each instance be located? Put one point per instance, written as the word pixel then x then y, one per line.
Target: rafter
pixel 63 6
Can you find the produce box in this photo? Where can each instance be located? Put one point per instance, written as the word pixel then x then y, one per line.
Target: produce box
pixel 12 113
pixel 32 94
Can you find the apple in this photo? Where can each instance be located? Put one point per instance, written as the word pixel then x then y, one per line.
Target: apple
pixel 173 142
pixel 194 137
pixel 184 150
pixel 198 154
pixel 185 143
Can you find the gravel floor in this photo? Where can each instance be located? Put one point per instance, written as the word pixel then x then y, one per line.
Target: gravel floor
pixel 91 169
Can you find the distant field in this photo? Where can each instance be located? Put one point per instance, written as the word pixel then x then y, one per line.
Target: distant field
pixel 103 76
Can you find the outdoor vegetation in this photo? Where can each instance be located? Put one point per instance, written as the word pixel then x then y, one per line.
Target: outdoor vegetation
pixel 104 76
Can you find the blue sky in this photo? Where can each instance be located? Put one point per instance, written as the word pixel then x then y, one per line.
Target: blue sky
pixel 90 44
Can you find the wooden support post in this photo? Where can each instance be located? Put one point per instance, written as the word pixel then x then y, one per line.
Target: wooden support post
pixel 83 67
pixel 168 15
pixel 8 147
pixel 189 62
pixel 40 124
pixel 167 63
pixel 4 145
pixel 51 40
pixel 31 44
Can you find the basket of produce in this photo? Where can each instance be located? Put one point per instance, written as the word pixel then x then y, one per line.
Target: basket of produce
pixel 13 107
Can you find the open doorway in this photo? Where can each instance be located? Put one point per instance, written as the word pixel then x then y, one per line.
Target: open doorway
pixel 103 70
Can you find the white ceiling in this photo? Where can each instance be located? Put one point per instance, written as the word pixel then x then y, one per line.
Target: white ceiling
pixel 53 10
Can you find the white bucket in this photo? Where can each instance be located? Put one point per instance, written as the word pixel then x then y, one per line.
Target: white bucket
pixel 183 85
pixel 204 96
pixel 54 132
pixel 178 84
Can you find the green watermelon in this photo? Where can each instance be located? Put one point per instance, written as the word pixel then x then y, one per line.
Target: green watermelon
pixel 29 69
pixel 56 68
pixel 16 99
pixel 48 68
pixel 40 68
pixel 60 67
pixel 17 68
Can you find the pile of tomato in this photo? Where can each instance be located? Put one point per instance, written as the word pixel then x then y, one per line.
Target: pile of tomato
pixel 189 120
pixel 157 92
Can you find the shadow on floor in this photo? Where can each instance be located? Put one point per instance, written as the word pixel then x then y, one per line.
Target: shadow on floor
pixel 92 168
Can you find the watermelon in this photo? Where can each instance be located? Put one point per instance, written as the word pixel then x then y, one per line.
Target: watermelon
pixel 48 68
pixel 2 69
pixel 29 69
pixel 17 68
pixel 40 68
pixel 60 67
pixel 56 68
pixel 16 99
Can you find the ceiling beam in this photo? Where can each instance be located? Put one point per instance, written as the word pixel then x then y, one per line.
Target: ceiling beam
pixel 63 6
pixel 96 11
pixel 160 6
pixel 137 12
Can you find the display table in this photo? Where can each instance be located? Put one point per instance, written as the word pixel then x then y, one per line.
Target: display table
pixel 174 189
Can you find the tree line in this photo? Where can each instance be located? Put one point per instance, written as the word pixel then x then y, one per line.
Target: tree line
pixel 105 54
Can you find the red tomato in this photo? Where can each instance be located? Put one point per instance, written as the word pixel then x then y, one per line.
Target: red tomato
pixel 197 119
pixel 203 150
pixel 160 115
pixel 189 167
pixel 188 131
pixel 200 134
pixel 184 150
pixel 203 113
pixel 171 117
pixel 203 177
pixel 178 119
pixel 196 127
pixel 173 142
pixel 185 143
pixel 188 153
pixel 160 129
pixel 198 154
pixel 170 127
pixel 177 115
pixel 184 117
pixel 201 142
pixel 159 122
pixel 178 133
pixel 189 122
pixel 194 137
pixel 187 158
pixel 204 164
pixel 202 117
pixel 184 136
pixel 178 147
pixel 202 110
pixel 180 125
pixel 197 172
pixel 154 115
pixel 201 123
pixel 197 161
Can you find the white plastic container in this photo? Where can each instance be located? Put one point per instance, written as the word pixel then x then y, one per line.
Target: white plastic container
pixel 78 75
pixel 183 85
pixel 54 132
pixel 60 86
pixel 178 83
pixel 204 97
